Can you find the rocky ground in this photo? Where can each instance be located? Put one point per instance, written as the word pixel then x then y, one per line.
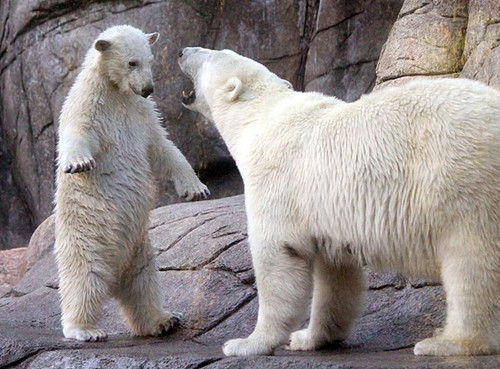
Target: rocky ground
pixel 206 274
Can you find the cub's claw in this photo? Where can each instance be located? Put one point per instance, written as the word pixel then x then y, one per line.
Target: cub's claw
pixel 80 165
pixel 172 320
pixel 200 193
pixel 189 187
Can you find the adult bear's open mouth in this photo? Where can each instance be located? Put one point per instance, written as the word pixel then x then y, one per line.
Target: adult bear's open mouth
pixel 188 92
pixel 188 98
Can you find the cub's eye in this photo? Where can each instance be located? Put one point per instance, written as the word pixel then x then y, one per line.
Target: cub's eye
pixel 133 63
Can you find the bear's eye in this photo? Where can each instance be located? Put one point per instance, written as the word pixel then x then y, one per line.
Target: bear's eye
pixel 133 63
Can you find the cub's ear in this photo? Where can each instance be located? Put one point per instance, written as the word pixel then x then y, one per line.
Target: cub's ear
pixel 102 45
pixel 153 37
pixel 233 88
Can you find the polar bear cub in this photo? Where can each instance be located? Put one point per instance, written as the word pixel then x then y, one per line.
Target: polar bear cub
pixel 404 179
pixel 111 151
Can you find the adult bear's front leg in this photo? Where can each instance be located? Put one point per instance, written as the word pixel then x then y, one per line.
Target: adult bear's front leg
pixel 284 280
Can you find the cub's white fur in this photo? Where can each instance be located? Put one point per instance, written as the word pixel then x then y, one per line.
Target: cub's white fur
pixel 405 179
pixel 111 151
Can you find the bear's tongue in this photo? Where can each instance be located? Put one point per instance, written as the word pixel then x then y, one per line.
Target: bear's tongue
pixel 188 98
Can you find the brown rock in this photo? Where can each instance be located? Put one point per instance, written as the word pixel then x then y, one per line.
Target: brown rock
pixel 41 242
pixel 346 44
pixel 12 266
pixel 443 39
pixel 482 42
pixel 426 40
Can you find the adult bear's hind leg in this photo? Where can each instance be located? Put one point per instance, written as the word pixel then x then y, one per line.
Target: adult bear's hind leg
pixel 471 280
pixel 337 301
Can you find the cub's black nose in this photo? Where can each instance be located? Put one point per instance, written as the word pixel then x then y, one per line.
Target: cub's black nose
pixel 180 53
pixel 146 91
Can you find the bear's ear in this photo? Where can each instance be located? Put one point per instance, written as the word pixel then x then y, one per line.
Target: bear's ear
pixel 233 88
pixel 287 84
pixel 102 45
pixel 153 37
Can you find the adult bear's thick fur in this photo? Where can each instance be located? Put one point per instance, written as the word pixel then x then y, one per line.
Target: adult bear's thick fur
pixel 404 179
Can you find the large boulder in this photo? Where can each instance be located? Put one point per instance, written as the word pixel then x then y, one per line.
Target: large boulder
pixel 345 45
pixel 330 46
pixel 206 273
pixel 12 266
pixel 443 39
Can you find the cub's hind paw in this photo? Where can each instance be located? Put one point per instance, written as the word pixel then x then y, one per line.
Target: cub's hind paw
pixel 170 321
pixel 158 327
pixel 89 334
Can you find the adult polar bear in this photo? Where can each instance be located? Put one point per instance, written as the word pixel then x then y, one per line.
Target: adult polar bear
pixel 111 150
pixel 405 179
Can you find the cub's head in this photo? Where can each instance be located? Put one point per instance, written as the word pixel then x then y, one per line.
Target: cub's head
pixel 224 79
pixel 125 58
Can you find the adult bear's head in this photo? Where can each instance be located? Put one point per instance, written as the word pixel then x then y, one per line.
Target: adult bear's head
pixel 224 80
pixel 125 58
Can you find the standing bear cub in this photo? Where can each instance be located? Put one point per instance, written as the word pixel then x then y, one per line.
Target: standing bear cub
pixel 111 151
pixel 404 179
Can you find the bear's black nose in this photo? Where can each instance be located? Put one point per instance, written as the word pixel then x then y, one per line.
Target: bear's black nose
pixel 146 91
pixel 180 53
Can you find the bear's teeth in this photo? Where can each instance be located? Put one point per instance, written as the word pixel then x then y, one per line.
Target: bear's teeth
pixel 188 98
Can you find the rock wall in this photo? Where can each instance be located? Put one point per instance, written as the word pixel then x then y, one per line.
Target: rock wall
pixel 443 39
pixel 329 45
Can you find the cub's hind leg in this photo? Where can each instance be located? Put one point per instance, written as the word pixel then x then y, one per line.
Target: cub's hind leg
pixel 140 298
pixel 83 286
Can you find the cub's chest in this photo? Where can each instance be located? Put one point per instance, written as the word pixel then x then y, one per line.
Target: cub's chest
pixel 128 131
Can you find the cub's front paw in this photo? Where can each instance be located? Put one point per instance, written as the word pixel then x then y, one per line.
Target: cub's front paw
pixel 85 333
pixel 79 165
pixel 246 347
pixel 192 189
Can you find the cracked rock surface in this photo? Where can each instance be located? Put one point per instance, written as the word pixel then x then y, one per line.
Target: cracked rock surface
pixel 206 274
pixel 458 38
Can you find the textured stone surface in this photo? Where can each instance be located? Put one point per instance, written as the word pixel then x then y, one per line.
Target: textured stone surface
pixel 215 291
pixel 42 43
pixel 443 38
pixel 12 266
pixel 346 44
pixel 482 42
